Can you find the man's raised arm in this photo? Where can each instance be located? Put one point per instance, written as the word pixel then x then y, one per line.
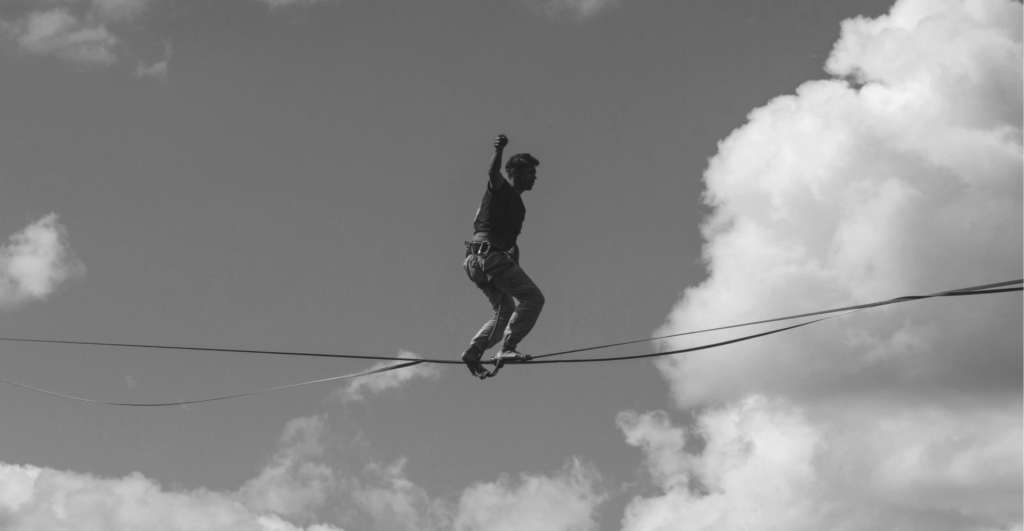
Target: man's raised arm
pixel 495 172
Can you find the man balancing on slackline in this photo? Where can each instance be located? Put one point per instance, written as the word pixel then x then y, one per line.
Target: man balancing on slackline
pixel 492 261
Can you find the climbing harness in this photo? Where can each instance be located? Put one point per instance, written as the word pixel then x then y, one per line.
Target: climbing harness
pixel 484 261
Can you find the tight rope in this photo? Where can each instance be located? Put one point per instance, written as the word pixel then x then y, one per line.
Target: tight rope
pixel 182 403
pixel 975 290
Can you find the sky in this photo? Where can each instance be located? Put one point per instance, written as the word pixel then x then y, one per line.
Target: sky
pixel 300 175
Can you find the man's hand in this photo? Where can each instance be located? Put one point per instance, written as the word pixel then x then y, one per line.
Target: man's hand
pixel 500 142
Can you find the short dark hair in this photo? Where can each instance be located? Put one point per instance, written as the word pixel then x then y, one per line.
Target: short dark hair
pixel 519 161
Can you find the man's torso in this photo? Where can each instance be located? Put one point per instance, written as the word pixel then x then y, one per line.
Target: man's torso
pixel 499 220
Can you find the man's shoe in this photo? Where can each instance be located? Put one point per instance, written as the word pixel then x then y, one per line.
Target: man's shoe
pixel 508 354
pixel 472 360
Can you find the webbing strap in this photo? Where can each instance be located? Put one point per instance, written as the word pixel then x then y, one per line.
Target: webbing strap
pixel 184 402
pixel 692 349
pixel 976 290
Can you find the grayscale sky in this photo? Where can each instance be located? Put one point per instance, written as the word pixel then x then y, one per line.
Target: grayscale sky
pixel 301 174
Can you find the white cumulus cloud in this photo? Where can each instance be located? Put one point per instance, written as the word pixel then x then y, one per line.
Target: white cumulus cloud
pixel 293 483
pixel 378 383
pixel 393 501
pixel 308 476
pixel 33 498
pixel 565 501
pixel 35 262
pixel 836 195
pixel 308 473
pixel 771 464
pixel 900 175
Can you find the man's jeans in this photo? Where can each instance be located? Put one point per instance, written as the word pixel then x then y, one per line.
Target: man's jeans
pixel 508 283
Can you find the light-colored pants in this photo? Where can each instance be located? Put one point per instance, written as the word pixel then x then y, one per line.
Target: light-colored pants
pixel 512 282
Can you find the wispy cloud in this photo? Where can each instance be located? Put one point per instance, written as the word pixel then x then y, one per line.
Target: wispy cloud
pixel 577 9
pixel 292 3
pixel 118 10
pixel 76 31
pixel 60 33
pixel 158 69
pixel 378 383
pixel 35 262
pixel 905 181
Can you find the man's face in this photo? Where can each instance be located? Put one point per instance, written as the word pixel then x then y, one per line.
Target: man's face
pixel 524 177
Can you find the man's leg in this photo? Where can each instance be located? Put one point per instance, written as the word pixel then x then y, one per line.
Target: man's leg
pixel 491 333
pixel 515 282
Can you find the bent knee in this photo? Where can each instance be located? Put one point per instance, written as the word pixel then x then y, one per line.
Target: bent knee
pixel 538 299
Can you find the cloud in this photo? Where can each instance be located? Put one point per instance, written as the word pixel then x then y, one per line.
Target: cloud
pixel 910 184
pixel 754 468
pixel 301 478
pixel 156 70
pixel 292 484
pixel 900 175
pixel 395 502
pixel 289 3
pixel 577 9
pixel 768 461
pixel 379 383
pixel 298 480
pixel 118 10
pixel 33 498
pixel 58 32
pixel 565 501
pixel 79 31
pixel 35 262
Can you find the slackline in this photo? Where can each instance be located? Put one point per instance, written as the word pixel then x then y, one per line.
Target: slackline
pixel 182 403
pixel 999 287
pixel 976 290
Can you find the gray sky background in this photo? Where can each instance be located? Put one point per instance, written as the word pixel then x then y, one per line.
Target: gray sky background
pixel 300 175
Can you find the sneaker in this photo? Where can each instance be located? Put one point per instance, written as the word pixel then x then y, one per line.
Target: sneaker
pixel 508 354
pixel 471 357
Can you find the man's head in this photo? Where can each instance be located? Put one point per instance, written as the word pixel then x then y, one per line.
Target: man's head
pixel 522 170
